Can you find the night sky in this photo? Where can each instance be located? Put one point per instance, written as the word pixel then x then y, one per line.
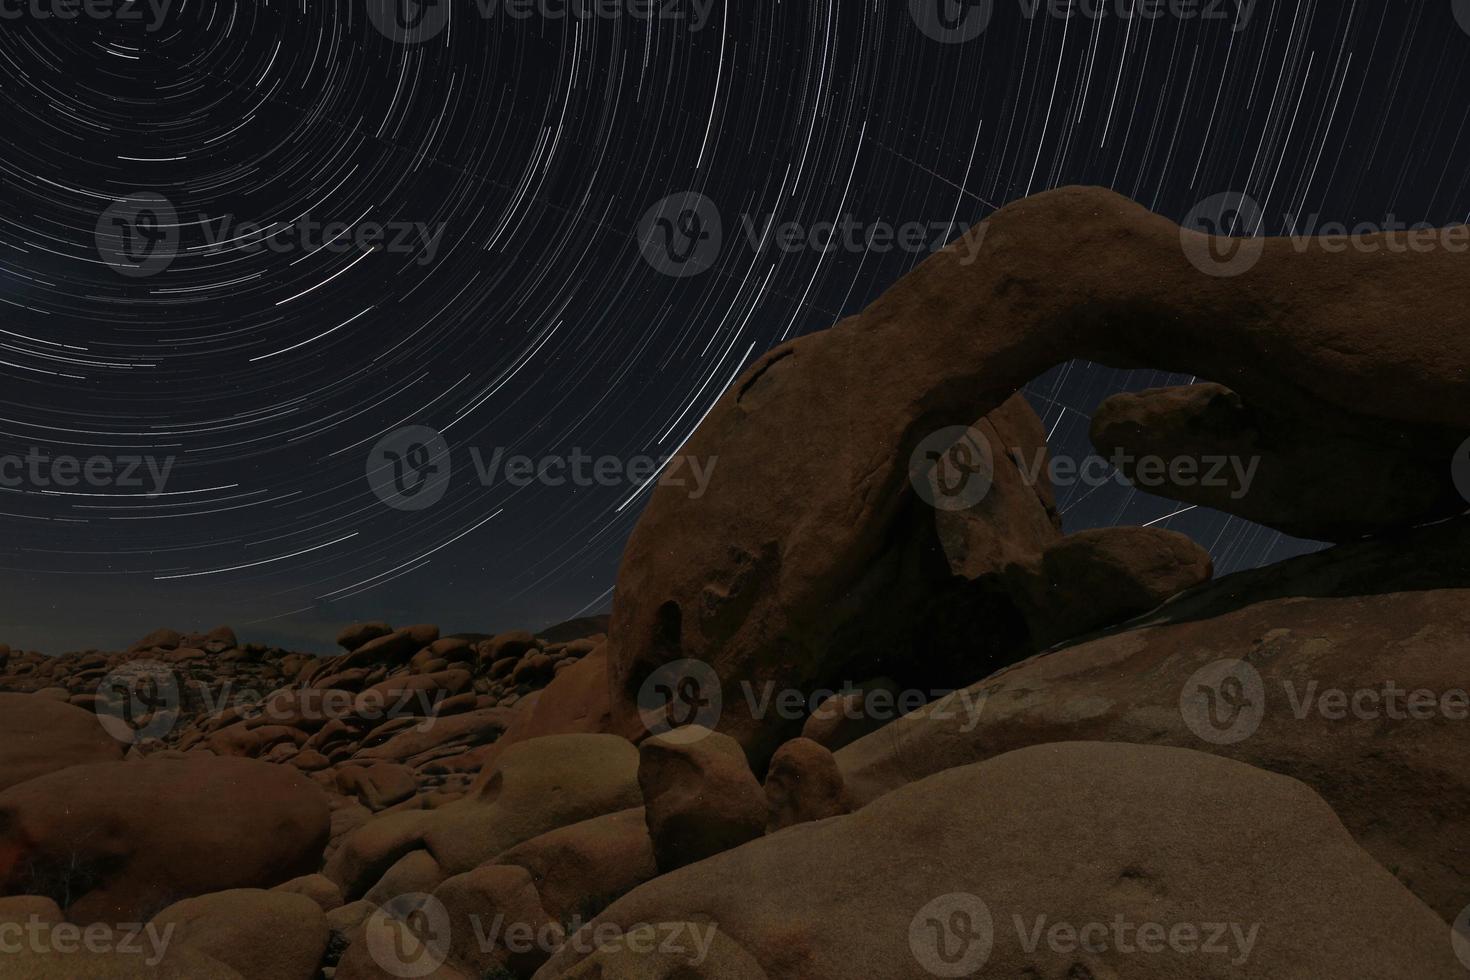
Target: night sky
pixel 278 167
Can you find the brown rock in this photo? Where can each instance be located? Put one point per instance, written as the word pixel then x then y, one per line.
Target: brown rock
pixel 499 903
pixel 319 888
pixel 773 569
pixel 118 841
pixel 39 735
pixel 1097 578
pixel 356 635
pixel 1285 471
pixel 802 785
pixel 580 868
pixel 699 796
pixel 378 786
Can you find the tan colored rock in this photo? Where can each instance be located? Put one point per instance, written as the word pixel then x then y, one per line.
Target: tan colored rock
pixel 699 796
pixel 319 888
pixel 497 922
pixel 1071 834
pixel 580 868
pixel 262 935
pixel 535 787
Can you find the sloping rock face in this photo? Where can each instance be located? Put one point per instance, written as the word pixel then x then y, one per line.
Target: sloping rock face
pixel 776 569
pixel 1067 860
pixel 117 842
pixel 1356 691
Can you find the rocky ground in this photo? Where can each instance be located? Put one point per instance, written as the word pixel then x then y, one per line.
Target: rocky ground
pixel 838 724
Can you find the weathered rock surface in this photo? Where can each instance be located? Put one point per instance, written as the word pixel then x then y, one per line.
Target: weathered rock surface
pixel 1392 764
pixel 1071 834
pixel 699 796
